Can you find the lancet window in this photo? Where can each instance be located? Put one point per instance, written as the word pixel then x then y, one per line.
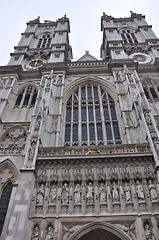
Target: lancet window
pixel 26 97
pixel 91 118
pixel 44 41
pixel 4 202
pixel 128 36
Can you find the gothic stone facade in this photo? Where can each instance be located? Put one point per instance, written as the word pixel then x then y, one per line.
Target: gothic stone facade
pixel 79 141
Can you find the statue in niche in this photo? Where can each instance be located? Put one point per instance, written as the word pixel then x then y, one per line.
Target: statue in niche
pixel 65 194
pixel 36 233
pixel 102 193
pixel 77 194
pixel 152 190
pixel 127 193
pixel 149 234
pixel 49 234
pixel 40 195
pixel 53 194
pixel 90 191
pixel 140 191
pixel 115 192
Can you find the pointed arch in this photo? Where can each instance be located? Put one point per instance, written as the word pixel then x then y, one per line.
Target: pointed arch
pixel 12 170
pixel 90 113
pixel 107 227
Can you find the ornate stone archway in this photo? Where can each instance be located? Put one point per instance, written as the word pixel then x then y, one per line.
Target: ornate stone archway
pixel 99 231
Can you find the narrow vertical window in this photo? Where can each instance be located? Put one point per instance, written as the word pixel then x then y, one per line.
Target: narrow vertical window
pixel 4 202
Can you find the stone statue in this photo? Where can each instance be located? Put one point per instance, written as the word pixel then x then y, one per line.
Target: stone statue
pixel 53 194
pixel 140 191
pixel 49 234
pixel 65 194
pixel 36 233
pixel 115 192
pixel 40 195
pixel 127 193
pixel 149 234
pixel 152 190
pixel 77 193
pixel 89 195
pixel 102 193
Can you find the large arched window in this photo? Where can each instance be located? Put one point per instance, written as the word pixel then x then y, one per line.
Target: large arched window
pixel 26 97
pixel 91 118
pixel 4 201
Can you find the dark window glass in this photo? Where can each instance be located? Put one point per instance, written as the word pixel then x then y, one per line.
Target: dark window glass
pixel 19 98
pixel 95 93
pixel 26 99
pixel 106 112
pixel 75 132
pixel 113 113
pixel 116 130
pixel 34 98
pixel 68 115
pixel 91 132
pixel 90 111
pixel 75 114
pixel 153 92
pixel 67 132
pixel 84 132
pixel 99 131
pixel 146 93
pixel 4 201
pixel 83 93
pixel 83 113
pixel 89 92
pixel 108 131
pixel 98 117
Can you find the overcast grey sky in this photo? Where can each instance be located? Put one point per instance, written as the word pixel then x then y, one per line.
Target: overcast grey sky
pixel 84 15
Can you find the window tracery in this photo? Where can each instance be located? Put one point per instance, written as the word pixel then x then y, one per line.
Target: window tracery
pixel 26 97
pixel 44 41
pixel 128 36
pixel 91 118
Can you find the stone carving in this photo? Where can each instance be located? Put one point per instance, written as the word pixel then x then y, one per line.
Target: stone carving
pixel 149 234
pixel 53 194
pixel 36 233
pixel 69 229
pixel 49 234
pixel 152 190
pixel 53 176
pixel 77 194
pixel 40 195
pixel 14 138
pixel 115 192
pixel 6 175
pixel 90 192
pixel 66 175
pixel 140 191
pixel 101 175
pixel 42 175
pixel 127 193
pixel 89 175
pixel 102 193
pixel 77 175
pixel 65 194
pixel 136 49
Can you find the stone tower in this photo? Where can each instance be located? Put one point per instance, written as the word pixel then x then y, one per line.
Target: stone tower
pixel 79 141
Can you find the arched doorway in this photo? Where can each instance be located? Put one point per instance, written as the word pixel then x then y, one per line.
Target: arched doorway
pixel 99 231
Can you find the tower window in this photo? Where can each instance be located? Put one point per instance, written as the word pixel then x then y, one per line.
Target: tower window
pixel 91 117
pixel 128 36
pixel 44 41
pixel 27 97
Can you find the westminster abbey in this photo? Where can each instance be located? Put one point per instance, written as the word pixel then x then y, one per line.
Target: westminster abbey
pixel 79 140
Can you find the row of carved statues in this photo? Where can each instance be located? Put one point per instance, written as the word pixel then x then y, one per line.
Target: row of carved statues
pixel 114 192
